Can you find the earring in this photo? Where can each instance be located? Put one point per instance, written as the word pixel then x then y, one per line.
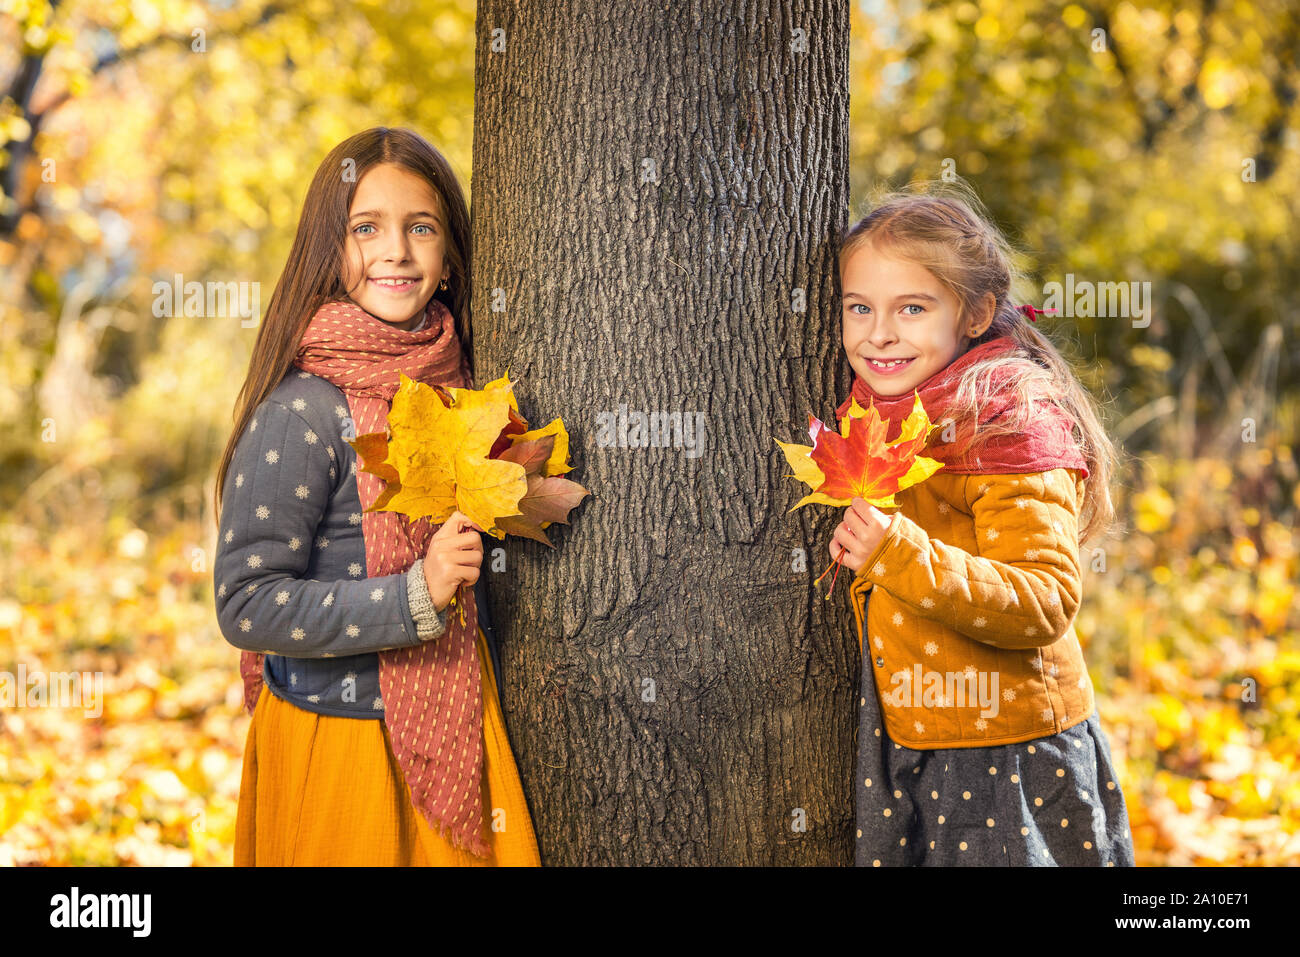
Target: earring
pixel 443 285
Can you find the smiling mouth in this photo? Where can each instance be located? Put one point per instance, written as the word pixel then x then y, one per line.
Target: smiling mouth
pixel 395 285
pixel 889 365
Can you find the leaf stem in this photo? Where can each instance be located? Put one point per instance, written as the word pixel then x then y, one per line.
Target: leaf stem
pixel 836 565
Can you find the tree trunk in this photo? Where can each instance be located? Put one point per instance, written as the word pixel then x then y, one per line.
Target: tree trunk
pixel 658 192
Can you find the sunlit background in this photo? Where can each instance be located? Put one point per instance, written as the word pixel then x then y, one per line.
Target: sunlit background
pixel 178 138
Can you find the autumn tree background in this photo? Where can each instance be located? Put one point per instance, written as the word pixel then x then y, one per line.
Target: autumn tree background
pixel 1116 142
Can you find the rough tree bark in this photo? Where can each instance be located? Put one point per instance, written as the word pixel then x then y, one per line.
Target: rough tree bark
pixel 658 192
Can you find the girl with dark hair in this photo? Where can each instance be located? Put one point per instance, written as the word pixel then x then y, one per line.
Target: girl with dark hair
pixel 377 736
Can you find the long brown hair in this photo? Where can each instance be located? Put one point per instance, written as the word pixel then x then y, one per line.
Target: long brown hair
pixel 945 228
pixel 313 273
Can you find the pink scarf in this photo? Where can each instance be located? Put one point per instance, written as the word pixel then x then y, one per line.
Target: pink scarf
pixel 432 692
pixel 1046 442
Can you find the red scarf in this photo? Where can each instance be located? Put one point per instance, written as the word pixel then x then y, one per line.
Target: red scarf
pixel 432 692
pixel 1046 442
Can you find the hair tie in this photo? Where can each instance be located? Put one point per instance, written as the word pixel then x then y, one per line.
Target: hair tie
pixel 1030 310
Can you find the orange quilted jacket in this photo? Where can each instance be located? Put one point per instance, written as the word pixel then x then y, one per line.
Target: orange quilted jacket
pixel 970 625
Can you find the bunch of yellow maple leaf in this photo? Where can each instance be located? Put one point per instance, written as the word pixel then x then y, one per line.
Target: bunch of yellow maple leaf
pixel 470 450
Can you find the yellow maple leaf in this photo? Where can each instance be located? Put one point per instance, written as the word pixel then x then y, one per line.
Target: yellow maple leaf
pixel 441 451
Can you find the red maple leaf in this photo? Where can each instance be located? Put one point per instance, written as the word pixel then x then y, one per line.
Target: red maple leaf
pixel 857 462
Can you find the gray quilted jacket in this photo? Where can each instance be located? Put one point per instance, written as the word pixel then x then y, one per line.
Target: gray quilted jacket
pixel 290 572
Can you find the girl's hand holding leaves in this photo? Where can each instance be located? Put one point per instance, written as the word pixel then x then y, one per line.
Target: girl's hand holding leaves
pixel 856 465
pixel 858 534
pixel 455 555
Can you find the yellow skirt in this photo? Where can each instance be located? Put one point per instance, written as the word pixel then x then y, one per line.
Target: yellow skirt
pixel 323 791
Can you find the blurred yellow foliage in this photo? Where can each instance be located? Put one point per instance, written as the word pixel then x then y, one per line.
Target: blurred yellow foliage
pixel 1201 693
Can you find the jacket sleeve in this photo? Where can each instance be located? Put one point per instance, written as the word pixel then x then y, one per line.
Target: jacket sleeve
pixel 1024 586
pixel 277 489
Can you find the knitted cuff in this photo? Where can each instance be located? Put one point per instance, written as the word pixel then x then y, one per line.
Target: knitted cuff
pixel 429 622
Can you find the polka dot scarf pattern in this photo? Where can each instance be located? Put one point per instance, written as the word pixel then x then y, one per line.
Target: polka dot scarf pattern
pixel 432 692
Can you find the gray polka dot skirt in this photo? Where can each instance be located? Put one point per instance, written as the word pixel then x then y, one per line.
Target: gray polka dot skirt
pixel 1054 801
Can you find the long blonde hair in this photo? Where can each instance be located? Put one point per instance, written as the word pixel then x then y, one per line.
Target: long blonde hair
pixel 945 228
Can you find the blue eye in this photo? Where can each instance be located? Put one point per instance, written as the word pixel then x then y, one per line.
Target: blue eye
pixel 431 230
pixel 856 305
pixel 912 305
